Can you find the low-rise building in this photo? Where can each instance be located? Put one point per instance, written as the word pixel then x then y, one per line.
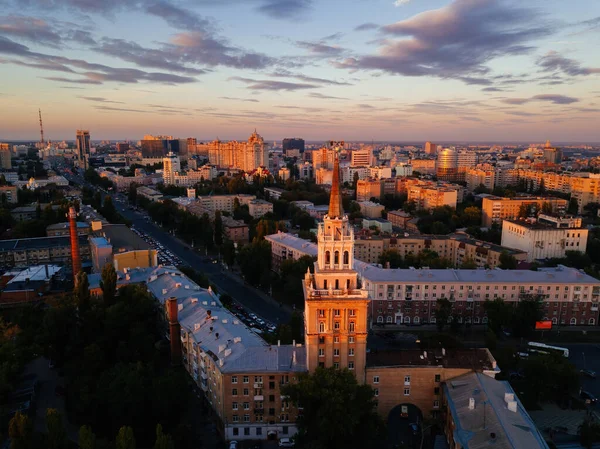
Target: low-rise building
pixel 545 237
pixel 27 286
pixel 40 250
pixel 258 208
pixel 398 218
pixel 236 230
pixel 24 213
pixel 9 194
pixel 379 223
pixel 61 229
pixel 149 193
pixel 476 177
pixel 370 209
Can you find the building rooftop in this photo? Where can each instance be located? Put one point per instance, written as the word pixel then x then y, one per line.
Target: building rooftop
pixel 100 242
pixel 498 426
pixel 35 273
pixel 122 238
pixel 560 225
pixel 476 359
pixel 523 198
pixel 293 242
pixel 65 225
pixel 39 242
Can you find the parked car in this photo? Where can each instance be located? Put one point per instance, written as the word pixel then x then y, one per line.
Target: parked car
pixel 233 444
pixel 286 442
pixel 588 373
pixel 587 396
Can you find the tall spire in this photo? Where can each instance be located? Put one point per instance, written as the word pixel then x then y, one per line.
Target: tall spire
pixel 335 200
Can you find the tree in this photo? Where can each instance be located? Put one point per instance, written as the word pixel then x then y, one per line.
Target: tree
pixel 57 436
pixel 546 207
pixel 442 312
pixel 499 314
pixel 163 441
pixel 133 193
pixel 109 211
pixel 524 210
pixel 218 225
pixel 528 311
pixel 338 412
pixel 573 208
pixel 391 257
pixel 108 284
pixel 507 261
pixel 472 216
pixel 87 439
pixel 20 431
pixel 589 433
pixel 82 290
pixel 125 438
pixel 468 264
pixel 228 251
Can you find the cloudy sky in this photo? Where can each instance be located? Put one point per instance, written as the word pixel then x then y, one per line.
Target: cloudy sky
pixel 401 70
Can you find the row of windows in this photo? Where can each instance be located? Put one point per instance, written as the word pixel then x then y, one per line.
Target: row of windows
pixel 258 430
pixel 336 326
pixel 336 352
pixel 390 287
pixel 336 365
pixel 336 312
pixel 336 339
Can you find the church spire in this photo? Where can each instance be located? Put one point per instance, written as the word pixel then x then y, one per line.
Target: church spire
pixel 335 200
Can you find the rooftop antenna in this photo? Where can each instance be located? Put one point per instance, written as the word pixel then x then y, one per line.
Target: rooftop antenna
pixel 41 128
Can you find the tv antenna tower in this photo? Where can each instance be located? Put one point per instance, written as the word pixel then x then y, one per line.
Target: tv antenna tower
pixel 41 128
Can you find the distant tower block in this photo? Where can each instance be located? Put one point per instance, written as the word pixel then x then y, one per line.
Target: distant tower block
pixel 75 255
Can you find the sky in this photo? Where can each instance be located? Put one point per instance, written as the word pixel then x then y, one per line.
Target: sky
pixel 383 70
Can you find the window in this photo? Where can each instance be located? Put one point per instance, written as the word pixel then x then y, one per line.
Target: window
pixel 246 429
pixel 436 391
pixel 336 352
pixel 321 313
pixel 325 284
pixel 573 321
pixel 352 312
pixel 234 379
pixel 407 392
pixel 234 392
pixel 407 380
pixel 321 352
pixel 271 412
pixel 234 406
pixel 375 379
pixel 258 379
pixel 259 431
pixel 351 326
pixel 350 365
pixel 336 258
pixel 245 392
pixel 351 352
pixel 336 365
pixel 247 419
pixel 246 379
pixel 246 406
pixel 350 339
pixel 321 340
pixel 438 377
pixel 321 327
pixel 336 339
pixel 235 418
pixel 436 404
pixel 380 319
pixel 336 325
pixel 336 312
pixel 388 319
pixel 376 392
pixel 327 257
pixel 271 385
pixel 346 258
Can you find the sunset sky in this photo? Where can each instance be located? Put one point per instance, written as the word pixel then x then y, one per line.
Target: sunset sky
pixel 404 70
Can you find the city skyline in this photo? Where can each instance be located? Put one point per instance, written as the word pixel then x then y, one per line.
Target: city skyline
pixel 464 70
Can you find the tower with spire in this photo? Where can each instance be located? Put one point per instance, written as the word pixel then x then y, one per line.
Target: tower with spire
pixel 335 307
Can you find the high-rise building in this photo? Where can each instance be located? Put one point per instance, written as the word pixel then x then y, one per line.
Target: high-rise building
pixel 82 138
pixel 5 153
pixel 336 307
pixel 464 160
pixel 430 148
pixel 323 158
pixel 122 147
pixel 171 166
pixel 551 154
pixel 293 143
pixel 446 166
pixel 362 158
pixel 246 156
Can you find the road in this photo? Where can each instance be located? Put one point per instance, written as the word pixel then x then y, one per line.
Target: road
pixel 586 356
pixel 252 299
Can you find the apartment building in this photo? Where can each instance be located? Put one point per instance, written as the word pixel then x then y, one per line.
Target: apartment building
pixel 62 229
pixel 424 166
pixel 236 230
pixel 368 188
pixel 9 194
pixel 398 218
pixel 258 208
pixel 40 250
pixel 476 177
pixel 370 209
pixel 149 193
pixel 429 197
pixel 212 203
pixel 322 158
pixel 495 208
pixel 246 156
pixel 546 236
pixel 361 158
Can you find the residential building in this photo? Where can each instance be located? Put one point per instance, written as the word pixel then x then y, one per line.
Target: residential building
pixel 294 143
pixel 274 193
pixel 428 197
pixel 258 208
pixel 5 156
pixel 484 412
pixel 322 158
pixel 552 155
pixel 379 223
pixel 367 189
pixel 62 229
pixel 370 209
pixel 465 159
pixel 403 169
pixel 546 236
pixel 9 194
pixel 40 250
pixel 122 147
pixel 246 156
pixel 476 177
pixel 495 208
pixel 380 172
pixel 24 213
pixel 82 142
pixel 424 166
pixel 430 148
pixel 212 203
pixel 362 157
pixel 398 218
pixel 284 174
pixel 149 193
pixel 323 176
pixel 171 166
pixel 236 230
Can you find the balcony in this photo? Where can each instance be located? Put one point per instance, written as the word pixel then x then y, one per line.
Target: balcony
pixel 258 385
pixel 259 397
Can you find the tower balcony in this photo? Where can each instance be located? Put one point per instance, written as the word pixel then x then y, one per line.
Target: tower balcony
pixel 336 293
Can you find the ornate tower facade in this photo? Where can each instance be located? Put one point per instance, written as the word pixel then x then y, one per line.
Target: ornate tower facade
pixel 335 307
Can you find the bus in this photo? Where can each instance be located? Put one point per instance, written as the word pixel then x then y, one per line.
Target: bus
pixel 546 349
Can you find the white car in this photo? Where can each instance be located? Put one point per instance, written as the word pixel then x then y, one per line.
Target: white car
pixel 286 442
pixel 233 444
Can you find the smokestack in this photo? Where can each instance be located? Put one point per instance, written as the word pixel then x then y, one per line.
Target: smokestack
pixel 174 331
pixel 75 256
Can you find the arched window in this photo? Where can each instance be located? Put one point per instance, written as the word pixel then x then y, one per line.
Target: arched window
pixel 337 284
pixel 432 320
pixel 327 257
pixel 591 321
pixel 555 320
pixel 484 320
pixel 476 320
pixel 573 321
pixel 388 319
pixel 336 258
pixel 346 258
pixel 416 320
pixel 325 284
pixel 406 320
pixel 468 319
pixel 321 327
pixel 380 319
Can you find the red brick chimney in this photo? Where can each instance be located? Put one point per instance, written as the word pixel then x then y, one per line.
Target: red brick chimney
pixel 75 255
pixel 174 331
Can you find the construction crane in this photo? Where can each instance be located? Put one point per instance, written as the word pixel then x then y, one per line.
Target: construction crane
pixel 41 128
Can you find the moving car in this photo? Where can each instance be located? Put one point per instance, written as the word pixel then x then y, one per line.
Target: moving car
pixel 588 373
pixel 587 396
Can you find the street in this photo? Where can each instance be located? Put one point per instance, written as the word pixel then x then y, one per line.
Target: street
pixel 586 356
